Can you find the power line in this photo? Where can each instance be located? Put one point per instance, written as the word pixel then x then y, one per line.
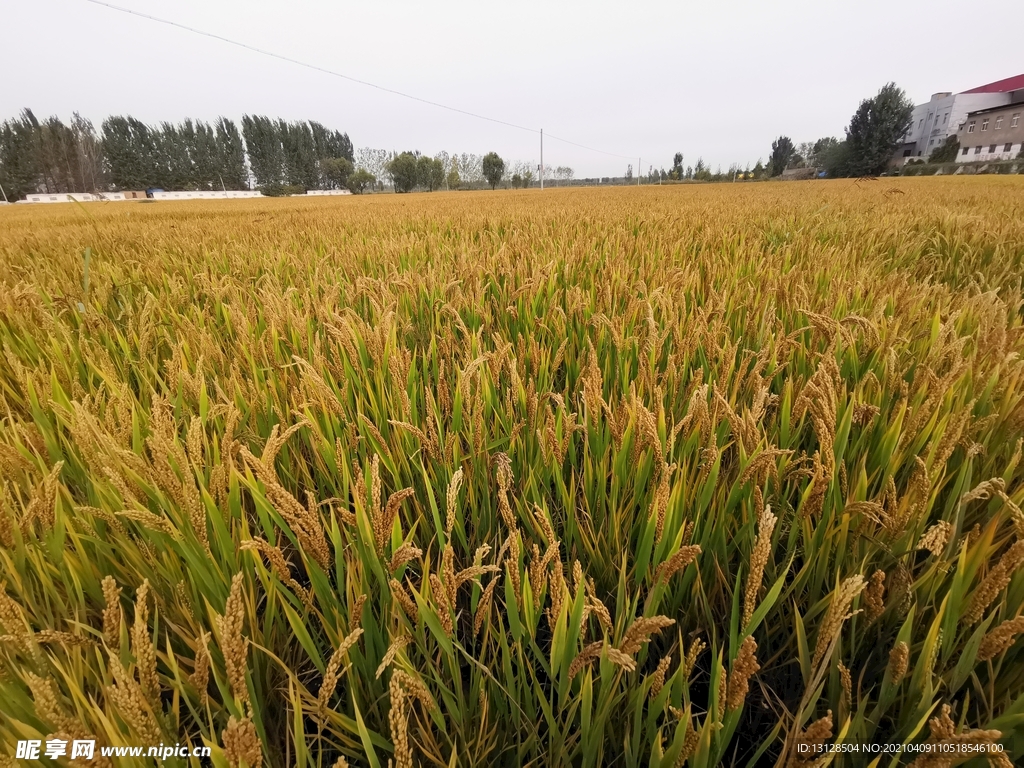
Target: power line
pixel 333 73
pixel 591 149
pixel 307 65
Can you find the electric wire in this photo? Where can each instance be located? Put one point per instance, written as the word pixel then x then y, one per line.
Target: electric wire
pixel 305 64
pixel 350 78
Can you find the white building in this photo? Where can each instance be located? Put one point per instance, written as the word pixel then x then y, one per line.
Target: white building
pixel 78 197
pixel 205 195
pixel 945 112
pixel 319 192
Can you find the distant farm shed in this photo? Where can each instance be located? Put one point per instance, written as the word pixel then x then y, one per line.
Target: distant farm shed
pixel 792 174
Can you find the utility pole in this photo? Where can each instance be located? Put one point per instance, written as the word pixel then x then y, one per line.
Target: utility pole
pixel 4 193
pixel 542 158
pixel 639 165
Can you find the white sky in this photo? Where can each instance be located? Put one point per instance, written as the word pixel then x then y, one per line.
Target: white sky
pixel 639 78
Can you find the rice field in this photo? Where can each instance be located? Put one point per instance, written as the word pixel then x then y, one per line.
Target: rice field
pixel 591 477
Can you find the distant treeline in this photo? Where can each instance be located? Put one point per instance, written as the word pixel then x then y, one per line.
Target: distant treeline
pixel 52 156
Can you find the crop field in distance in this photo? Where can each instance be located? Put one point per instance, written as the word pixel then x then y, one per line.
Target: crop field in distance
pixel 602 477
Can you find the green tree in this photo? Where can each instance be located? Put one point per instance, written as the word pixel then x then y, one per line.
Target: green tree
pixel 453 179
pixel 231 170
pixel 876 131
pixel 701 172
pixel 263 145
pixel 835 159
pixel 493 168
pixel 67 156
pixel 19 167
pixel 517 181
pixel 89 160
pixel 132 154
pixel 430 172
pixel 782 152
pixel 822 147
pixel 174 168
pixel 359 180
pixel 206 156
pixel 677 166
pixel 300 156
pixel 404 171
pixel 947 151
pixel 330 143
pixel 336 172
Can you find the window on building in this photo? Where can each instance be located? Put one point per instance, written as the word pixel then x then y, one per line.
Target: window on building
pixel 1008 147
pixel 907 152
pixel 945 118
pixel 999 122
pixel 920 123
pixel 970 127
pixel 930 143
pixel 984 124
pixel 1014 119
pixel 961 128
pixel 965 151
pixel 992 148
pixel 977 150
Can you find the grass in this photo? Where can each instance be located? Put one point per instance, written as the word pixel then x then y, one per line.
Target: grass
pixel 590 477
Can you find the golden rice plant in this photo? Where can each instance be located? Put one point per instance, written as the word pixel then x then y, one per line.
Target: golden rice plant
pixel 638 477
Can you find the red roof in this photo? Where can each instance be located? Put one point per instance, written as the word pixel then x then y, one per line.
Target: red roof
pixel 1000 86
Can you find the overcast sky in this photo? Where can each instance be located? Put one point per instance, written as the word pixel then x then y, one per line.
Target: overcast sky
pixel 639 78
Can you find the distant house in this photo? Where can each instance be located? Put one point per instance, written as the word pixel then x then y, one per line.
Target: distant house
pixel 944 114
pixel 799 173
pixel 996 133
pixel 319 192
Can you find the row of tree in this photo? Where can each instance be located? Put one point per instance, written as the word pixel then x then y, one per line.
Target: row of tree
pixel 298 154
pixel 699 172
pixel 49 156
pixel 875 133
pixel 448 170
pixel 52 156
pixel 409 170
pixel 191 155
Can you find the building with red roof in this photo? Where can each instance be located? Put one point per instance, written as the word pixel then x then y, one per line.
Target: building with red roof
pixel 1007 85
pixel 944 114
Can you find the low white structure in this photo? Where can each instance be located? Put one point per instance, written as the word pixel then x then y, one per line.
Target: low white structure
pixel 203 195
pixel 319 192
pixel 78 197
